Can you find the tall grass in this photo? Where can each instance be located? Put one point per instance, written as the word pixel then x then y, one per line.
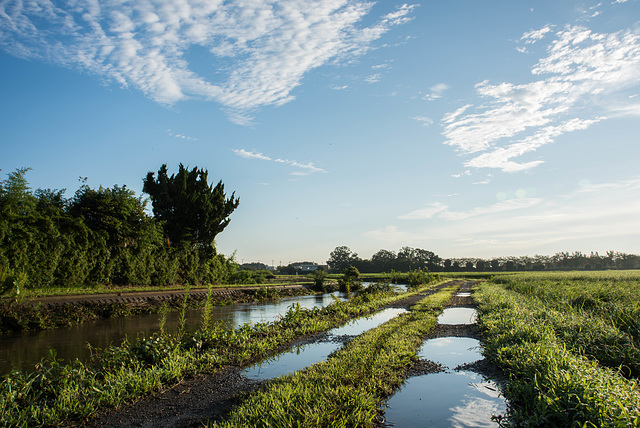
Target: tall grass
pixel 555 376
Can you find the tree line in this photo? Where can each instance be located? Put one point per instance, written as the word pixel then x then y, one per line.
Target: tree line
pixel 106 236
pixel 407 259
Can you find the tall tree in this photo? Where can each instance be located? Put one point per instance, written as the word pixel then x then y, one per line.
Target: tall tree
pixel 341 258
pixel 191 209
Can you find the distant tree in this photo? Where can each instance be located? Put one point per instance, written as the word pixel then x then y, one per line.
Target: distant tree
pixel 190 208
pixel 383 261
pixel 480 266
pixel 341 258
pixel 495 264
pixel 468 266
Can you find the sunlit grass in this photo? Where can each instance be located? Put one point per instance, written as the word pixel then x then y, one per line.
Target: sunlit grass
pixel 565 363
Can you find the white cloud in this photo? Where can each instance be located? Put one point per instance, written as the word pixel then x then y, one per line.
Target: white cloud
pixel 305 168
pixel 535 35
pixel 426 121
pixel 586 73
pixel 436 91
pixel 424 213
pixel 374 78
pixel 180 136
pixel 263 48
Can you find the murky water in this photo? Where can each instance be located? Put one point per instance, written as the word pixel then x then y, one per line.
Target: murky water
pixel 458 316
pixel 306 355
pixel 23 351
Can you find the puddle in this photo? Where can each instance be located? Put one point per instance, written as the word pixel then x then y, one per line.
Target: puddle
pixel 463 294
pixel 458 316
pixel 451 351
pixel 360 325
pixel 457 399
pixel 303 356
pixel 293 360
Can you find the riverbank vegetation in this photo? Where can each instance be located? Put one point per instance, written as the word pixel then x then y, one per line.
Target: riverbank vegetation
pixel 570 344
pixel 55 393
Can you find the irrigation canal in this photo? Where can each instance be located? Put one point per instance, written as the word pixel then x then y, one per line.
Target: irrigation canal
pixel 21 351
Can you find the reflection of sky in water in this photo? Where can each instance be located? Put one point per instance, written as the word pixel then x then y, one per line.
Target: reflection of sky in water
pixel 463 294
pixel 360 325
pixel 451 351
pixel 303 356
pixel 454 399
pixel 288 362
pixel 458 316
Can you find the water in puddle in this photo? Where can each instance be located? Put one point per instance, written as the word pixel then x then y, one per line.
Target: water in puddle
pixel 303 356
pixel 451 351
pixel 457 399
pixel 458 316
pixel 463 294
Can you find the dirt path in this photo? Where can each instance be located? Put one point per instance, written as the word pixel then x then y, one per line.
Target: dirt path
pixel 203 397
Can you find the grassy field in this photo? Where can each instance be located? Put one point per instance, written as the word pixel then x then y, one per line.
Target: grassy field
pixel 570 344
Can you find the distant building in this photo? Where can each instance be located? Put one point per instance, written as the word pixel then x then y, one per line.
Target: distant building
pixel 308 267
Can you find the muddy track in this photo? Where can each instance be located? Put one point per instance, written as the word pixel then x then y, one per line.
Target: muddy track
pixel 203 397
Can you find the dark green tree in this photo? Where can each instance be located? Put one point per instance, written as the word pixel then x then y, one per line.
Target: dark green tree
pixel 341 258
pixel 191 209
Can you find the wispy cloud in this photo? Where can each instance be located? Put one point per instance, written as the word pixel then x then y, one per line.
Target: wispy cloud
pixel 588 218
pixel 436 91
pixel 424 120
pixel 261 48
pixel 180 136
pixel 303 168
pixel 586 74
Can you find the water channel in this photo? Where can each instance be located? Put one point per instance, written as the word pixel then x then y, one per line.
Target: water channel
pixel 21 351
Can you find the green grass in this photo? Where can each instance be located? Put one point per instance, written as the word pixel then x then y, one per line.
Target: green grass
pixel 565 364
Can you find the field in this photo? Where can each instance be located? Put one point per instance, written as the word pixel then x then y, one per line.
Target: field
pixel 570 344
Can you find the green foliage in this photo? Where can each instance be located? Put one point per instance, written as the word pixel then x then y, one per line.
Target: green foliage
pixel 190 209
pixel 100 236
pixel 566 344
pixel 350 280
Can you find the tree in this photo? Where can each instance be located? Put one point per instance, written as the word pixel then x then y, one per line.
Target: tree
pixel 341 258
pixel 190 208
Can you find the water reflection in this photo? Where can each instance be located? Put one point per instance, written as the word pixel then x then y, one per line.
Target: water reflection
pixel 458 316
pixel 458 399
pixel 303 356
pixel 22 351
pixel 451 351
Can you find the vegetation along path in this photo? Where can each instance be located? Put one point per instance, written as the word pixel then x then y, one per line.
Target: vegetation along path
pixel 206 398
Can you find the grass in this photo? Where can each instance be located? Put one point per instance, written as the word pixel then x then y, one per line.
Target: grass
pixel 56 393
pixel 565 363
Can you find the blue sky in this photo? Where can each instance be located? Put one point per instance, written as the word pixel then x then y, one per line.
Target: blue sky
pixel 471 129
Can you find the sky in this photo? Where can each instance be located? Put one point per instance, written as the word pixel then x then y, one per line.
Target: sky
pixel 467 128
